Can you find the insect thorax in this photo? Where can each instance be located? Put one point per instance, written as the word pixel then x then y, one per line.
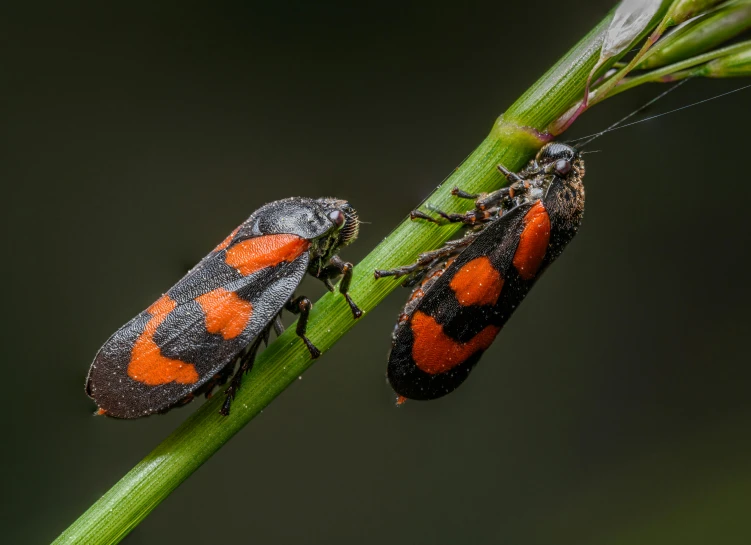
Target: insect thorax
pixel 562 195
pixel 565 198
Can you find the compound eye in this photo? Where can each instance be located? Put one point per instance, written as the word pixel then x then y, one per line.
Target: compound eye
pixel 562 167
pixel 337 217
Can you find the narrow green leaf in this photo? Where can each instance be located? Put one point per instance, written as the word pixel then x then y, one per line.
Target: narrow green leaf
pixel 699 36
pixel 680 70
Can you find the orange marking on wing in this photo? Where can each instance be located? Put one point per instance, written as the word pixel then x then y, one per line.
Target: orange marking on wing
pixel 159 310
pixel 435 352
pixel 147 365
pixel 477 283
pixel 223 244
pixel 400 400
pixel 533 242
pixel 226 312
pixel 258 253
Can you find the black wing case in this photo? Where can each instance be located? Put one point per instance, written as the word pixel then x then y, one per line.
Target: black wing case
pixel 462 311
pixel 198 327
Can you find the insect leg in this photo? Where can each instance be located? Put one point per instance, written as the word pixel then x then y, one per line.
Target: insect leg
pixel 510 176
pixel 464 195
pixel 278 325
pixel 416 214
pixel 217 380
pixel 338 267
pixel 302 306
pixel 246 364
pixel 469 218
pixel 492 199
pixel 428 259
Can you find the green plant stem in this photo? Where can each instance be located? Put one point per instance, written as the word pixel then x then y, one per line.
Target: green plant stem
pixel 676 71
pixel 513 138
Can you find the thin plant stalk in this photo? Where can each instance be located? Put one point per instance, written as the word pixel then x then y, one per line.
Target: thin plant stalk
pixel 672 72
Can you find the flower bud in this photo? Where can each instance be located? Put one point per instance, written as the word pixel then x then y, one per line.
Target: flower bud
pixel 731 66
pixel 699 36
pixel 683 10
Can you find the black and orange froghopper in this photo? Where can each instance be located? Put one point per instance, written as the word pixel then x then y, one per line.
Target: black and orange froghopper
pixel 189 340
pixel 466 291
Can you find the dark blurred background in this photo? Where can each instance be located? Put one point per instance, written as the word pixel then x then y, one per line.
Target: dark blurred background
pixel 614 407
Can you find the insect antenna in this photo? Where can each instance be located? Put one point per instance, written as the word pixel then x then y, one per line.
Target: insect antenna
pixel 619 124
pixel 588 139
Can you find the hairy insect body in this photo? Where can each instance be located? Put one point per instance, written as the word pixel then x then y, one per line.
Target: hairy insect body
pixel 465 292
pixel 189 341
